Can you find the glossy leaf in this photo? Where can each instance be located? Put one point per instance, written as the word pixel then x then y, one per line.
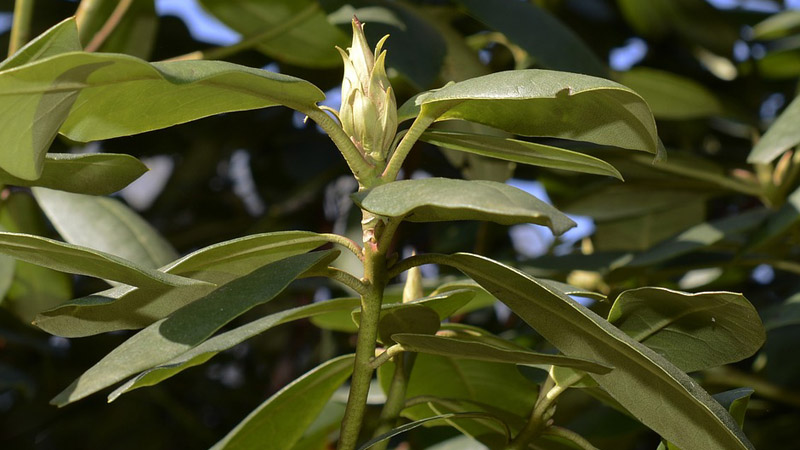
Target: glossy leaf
pixel 92 96
pixel 548 103
pixel 474 349
pixel 211 347
pixel 60 38
pixel 693 331
pixel 442 199
pixel 671 96
pixel 105 224
pixel 85 261
pixel 90 173
pixel 308 42
pixel 782 135
pixel 529 25
pixel 279 422
pixel 220 263
pixel 659 394
pixel 520 152
pixel 188 326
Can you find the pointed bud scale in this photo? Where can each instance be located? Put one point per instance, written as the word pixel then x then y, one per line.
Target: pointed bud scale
pixel 369 109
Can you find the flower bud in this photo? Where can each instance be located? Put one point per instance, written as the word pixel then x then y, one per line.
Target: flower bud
pixel 369 109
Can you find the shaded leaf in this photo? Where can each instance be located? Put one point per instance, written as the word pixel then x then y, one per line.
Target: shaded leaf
pixel 91 173
pixel 693 331
pixel 443 304
pixel 411 425
pixel 126 307
pixel 529 25
pixel 279 422
pixel 641 233
pixel 778 223
pixel 309 42
pixel 630 200
pixel 671 96
pixel 85 261
pixel 655 391
pixel 105 224
pixel 782 135
pixel 548 103
pixel 735 401
pixel 442 199
pixel 92 96
pixel 208 349
pixel 474 349
pixel 134 33
pixel 520 152
pixel 414 318
pixel 188 326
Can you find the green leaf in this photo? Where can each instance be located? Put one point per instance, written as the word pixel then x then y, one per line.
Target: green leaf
pixel 280 421
pixel 211 347
pixel 671 96
pixel 125 307
pixel 92 96
pixel 61 38
pixel 86 261
pixel 91 173
pixel 529 25
pixel 617 201
pixel 782 135
pixel 693 331
pixel 189 326
pixel 442 199
pixel 735 401
pixel 777 224
pixel 777 25
pixel 309 42
pixel 133 34
pixel 105 224
pixel 443 304
pixel 640 233
pixel 475 349
pixel 655 391
pixel 699 237
pixel 417 423
pixel 549 103
pixel 520 152
pixel 414 318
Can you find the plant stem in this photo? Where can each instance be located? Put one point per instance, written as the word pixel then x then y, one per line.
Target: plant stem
pixel 365 174
pixel 113 20
pixel 375 280
pixel 539 416
pixel 570 435
pixel 395 399
pixel 346 243
pixel 421 123
pixel 252 41
pixel 21 27
pixel 414 261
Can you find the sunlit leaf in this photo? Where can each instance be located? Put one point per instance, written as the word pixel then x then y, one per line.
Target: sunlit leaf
pixel 782 135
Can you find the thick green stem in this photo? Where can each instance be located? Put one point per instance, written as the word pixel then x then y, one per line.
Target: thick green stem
pixel 421 123
pixel 375 280
pixel 252 41
pixel 365 174
pixel 21 27
pixel 395 399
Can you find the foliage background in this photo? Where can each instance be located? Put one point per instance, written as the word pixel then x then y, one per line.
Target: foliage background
pixel 733 83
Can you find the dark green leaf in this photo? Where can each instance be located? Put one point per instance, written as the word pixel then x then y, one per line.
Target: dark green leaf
pixel 778 223
pixel 208 349
pixel 548 103
pixel 188 326
pixel 735 401
pixel 521 152
pixel 91 173
pixel 658 393
pixel 474 349
pixel 133 34
pixel 414 318
pixel 125 307
pixel 105 224
pixel 280 421
pixel 782 135
pixel 693 331
pixel 619 201
pixel 443 304
pixel 410 426
pixel 671 96
pixel 442 199
pixel 92 96
pixel 529 25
